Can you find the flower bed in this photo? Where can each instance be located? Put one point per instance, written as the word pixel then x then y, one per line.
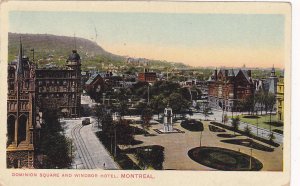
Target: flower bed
pixel 192 125
pixel 224 159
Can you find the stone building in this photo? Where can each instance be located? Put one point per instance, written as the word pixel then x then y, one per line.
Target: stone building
pixel 31 91
pixel 228 87
pixel 61 87
pixel 23 120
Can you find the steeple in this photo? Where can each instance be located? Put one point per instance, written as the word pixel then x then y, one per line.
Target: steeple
pixel 20 57
pixel 273 71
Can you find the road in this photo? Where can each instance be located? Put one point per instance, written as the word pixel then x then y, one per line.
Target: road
pixel 90 153
pixel 217 116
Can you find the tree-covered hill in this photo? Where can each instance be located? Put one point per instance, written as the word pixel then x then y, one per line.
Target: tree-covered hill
pixel 55 49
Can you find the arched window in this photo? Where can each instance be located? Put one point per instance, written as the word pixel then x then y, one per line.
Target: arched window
pixel 22 128
pixel 10 129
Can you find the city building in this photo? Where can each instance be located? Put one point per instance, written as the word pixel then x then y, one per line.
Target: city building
pixel 227 88
pixel 280 99
pixel 60 88
pixel 23 116
pixel 94 84
pixel 147 76
pixel 31 91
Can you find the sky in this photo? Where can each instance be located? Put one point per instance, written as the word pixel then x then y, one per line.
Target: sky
pixel 231 40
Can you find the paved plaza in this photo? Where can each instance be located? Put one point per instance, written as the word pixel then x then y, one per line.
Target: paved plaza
pixel 178 144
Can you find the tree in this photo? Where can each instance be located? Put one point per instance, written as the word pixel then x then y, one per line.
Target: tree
pixel 165 87
pixel 107 122
pixel 186 93
pixel 150 156
pixel 146 118
pixel 260 99
pixel 247 131
pixel 178 103
pixel 123 108
pixel 225 118
pixel 271 138
pixel 54 145
pixel 206 111
pixel 270 101
pixel 235 124
pixel 99 113
pixel 124 132
pixel 158 103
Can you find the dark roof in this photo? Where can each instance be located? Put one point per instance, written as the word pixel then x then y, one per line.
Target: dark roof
pixel 74 56
pixel 91 79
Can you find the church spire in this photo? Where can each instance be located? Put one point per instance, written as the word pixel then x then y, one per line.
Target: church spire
pixel 273 71
pixel 19 64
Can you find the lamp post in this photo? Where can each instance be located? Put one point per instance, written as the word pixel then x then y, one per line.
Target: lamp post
pixel 200 138
pixel 256 123
pixel 250 164
pixel 148 94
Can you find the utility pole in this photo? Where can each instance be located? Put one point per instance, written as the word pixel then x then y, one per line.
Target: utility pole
pixel 148 94
pixel 115 141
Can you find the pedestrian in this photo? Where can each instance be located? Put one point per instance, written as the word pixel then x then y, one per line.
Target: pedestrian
pixel 104 165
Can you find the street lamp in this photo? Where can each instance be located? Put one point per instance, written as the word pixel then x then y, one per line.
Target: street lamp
pixel 200 138
pixel 148 94
pixel 250 164
pixel 257 123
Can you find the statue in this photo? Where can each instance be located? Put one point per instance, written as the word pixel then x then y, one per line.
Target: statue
pixel 168 120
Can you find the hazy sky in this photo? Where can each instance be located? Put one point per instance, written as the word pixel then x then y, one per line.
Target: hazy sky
pixel 195 39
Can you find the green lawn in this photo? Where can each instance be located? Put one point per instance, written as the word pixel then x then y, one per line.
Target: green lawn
pixel 261 121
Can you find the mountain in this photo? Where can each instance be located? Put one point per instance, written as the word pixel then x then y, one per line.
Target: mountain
pixel 55 49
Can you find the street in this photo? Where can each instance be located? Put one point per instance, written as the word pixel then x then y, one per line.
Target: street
pixel 89 151
pixel 217 116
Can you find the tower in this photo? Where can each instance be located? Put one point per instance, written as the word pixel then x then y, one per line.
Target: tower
pixel 74 64
pixel 272 81
pixel 21 110
pixel 168 120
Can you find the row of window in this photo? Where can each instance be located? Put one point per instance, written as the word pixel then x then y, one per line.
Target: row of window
pixel 60 95
pixel 13 106
pixel 56 82
pixel 56 89
pixel 59 74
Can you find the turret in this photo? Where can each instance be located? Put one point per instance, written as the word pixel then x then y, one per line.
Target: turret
pixel 74 59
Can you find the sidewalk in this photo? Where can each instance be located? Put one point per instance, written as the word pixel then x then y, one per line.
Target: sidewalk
pixel 96 149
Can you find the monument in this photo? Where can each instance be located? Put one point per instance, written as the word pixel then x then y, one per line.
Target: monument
pixel 168 120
